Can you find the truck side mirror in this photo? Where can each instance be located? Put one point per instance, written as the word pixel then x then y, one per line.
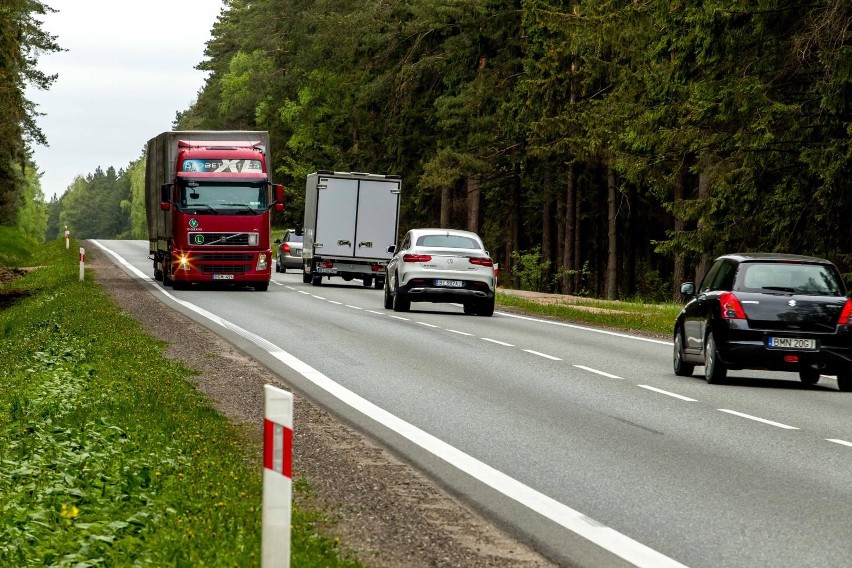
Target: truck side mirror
pixel 688 289
pixel 279 198
pixel 165 195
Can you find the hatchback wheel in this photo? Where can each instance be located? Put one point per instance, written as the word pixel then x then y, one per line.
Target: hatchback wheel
pixel 809 376
pixel 681 369
pixel 714 368
pixel 844 380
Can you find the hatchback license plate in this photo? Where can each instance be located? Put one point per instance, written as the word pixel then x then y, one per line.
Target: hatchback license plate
pixel 450 283
pixel 223 277
pixel 791 343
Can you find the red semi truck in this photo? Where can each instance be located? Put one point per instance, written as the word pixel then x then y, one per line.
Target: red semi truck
pixel 208 199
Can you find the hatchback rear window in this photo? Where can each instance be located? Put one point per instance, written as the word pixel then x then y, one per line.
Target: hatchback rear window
pixel 447 241
pixel 812 279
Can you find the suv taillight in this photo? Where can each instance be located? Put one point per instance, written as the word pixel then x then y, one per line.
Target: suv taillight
pixel 731 307
pixel 846 315
pixel 416 258
pixel 481 261
pixel 286 248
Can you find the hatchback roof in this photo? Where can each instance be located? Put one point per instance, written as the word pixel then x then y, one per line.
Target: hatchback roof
pixel 773 256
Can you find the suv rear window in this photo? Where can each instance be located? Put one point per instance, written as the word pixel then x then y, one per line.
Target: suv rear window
pixel 294 238
pixel 796 278
pixel 447 241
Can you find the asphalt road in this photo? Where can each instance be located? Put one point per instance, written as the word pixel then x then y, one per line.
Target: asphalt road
pixel 581 441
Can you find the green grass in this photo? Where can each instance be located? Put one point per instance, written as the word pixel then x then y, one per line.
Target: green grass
pixel 108 454
pixel 634 316
pixel 16 250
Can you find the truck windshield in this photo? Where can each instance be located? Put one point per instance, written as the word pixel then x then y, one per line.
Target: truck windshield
pixel 223 199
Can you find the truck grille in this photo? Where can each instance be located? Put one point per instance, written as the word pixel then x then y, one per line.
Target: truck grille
pixel 222 257
pixel 223 268
pixel 219 239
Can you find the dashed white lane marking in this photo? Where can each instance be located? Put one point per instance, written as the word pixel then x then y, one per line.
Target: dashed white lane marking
pixel 279 283
pixel 602 373
pixel 317 297
pixel 375 312
pixel 757 419
pixel 400 318
pixel 459 332
pixel 354 307
pixel 545 355
pixel 426 324
pixel 303 292
pixel 503 343
pixel 335 303
pixel 667 393
pixel 841 442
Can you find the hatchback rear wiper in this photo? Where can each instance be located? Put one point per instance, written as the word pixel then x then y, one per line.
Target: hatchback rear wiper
pixel 780 288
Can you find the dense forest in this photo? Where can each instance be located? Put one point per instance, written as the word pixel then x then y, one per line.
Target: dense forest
pixel 605 148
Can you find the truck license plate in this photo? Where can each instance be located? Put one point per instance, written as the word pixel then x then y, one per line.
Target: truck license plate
pixel 223 277
pixel 450 283
pixel 792 343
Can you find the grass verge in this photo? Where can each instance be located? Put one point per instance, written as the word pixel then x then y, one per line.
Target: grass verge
pixel 629 316
pixel 108 454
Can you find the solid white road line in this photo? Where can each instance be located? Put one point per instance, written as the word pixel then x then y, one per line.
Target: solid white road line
pixel 584 328
pixel 609 539
pixel 841 442
pixel 756 419
pixel 667 393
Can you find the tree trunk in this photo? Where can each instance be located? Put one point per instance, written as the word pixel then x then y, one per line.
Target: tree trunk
pixel 612 238
pixel 569 261
pixel 445 206
pixel 679 274
pixel 704 194
pixel 546 230
pixel 473 199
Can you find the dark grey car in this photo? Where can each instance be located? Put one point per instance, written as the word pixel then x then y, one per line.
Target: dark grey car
pixel 289 252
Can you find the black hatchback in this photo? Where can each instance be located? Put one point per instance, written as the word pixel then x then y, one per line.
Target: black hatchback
pixel 777 312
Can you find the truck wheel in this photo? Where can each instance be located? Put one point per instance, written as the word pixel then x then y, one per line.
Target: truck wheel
pixel 167 271
pixel 262 287
pixel 368 281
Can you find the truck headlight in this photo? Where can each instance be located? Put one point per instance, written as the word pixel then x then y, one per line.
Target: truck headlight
pixel 261 261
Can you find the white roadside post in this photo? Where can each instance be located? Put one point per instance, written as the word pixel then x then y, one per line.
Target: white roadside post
pixel 67 238
pixel 277 477
pixel 82 262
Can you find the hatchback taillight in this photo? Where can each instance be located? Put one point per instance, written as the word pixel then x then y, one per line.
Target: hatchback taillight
pixel 416 258
pixel 846 315
pixel 731 307
pixel 481 261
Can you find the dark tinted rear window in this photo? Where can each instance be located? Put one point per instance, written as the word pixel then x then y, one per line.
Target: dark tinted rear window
pixel 795 278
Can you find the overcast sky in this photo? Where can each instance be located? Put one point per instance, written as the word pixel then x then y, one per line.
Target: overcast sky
pixel 128 69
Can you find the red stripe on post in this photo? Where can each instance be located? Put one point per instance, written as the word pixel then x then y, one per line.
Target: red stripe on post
pixel 268 440
pixel 288 454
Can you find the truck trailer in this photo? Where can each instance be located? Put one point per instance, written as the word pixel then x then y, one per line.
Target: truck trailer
pixel 208 199
pixel 350 221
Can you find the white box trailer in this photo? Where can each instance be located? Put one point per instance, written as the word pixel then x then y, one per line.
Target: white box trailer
pixel 350 221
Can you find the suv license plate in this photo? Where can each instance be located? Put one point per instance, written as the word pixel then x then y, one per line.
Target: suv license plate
pixel 792 343
pixel 223 277
pixel 450 283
